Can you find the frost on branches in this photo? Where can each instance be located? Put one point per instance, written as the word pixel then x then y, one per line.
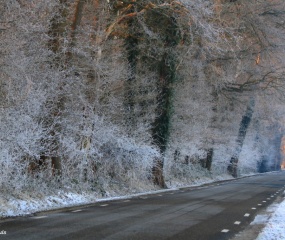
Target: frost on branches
pixel 118 97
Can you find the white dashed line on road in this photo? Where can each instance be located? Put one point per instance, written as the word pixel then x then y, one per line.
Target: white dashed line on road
pixel 39 217
pixel 263 201
pixel 225 230
pixel 246 215
pixel 237 223
pixel 259 204
pixel 78 210
pixel 253 208
pixel 104 205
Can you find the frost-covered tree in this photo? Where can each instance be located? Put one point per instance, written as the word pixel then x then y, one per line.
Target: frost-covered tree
pixel 260 64
pixel 249 66
pixel 95 94
pixel 60 100
pixel 25 77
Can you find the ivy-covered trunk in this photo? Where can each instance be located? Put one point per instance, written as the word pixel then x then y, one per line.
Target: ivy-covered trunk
pixel 161 126
pixel 167 76
pixel 151 34
pixel 132 53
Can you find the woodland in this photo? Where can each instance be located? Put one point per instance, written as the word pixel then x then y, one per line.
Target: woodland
pixel 134 94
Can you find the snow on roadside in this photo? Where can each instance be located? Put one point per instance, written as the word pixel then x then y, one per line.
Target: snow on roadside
pixel 11 206
pixel 18 207
pixel 24 204
pixel 275 226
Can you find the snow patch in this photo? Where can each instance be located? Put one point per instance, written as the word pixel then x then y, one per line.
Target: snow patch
pixel 16 207
pixel 275 228
pixel 260 219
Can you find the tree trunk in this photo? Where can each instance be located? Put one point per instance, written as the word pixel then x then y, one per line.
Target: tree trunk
pixel 245 122
pixel 209 159
pixel 132 52
pixel 56 166
pixel 209 141
pixel 157 173
pixel 56 32
pixel 160 131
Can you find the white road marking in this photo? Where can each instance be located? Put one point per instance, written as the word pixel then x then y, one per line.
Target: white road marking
pixel 104 205
pixel 78 210
pixel 268 198
pixel 246 215
pixel 263 201
pixel 143 197
pixel 39 217
pixel 225 230
pixel 127 200
pixel 272 196
pixel 253 208
pixel 237 223
pixel 259 204
pixel 159 195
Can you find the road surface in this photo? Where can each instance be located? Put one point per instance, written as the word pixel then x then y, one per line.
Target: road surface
pixel 213 212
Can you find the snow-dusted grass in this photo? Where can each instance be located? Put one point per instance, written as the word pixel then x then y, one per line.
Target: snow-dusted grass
pixel 44 192
pixel 23 203
pixel 179 174
pixel 199 180
pixel 275 226
pixel 28 202
pixel 12 206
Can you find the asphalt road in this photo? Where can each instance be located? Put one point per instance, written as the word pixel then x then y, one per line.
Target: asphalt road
pixel 213 212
